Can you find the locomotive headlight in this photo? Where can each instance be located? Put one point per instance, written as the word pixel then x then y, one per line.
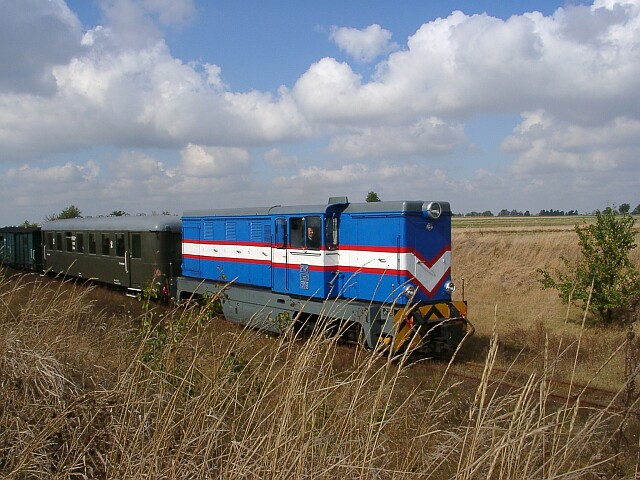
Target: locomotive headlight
pixel 432 210
pixel 449 287
pixel 410 291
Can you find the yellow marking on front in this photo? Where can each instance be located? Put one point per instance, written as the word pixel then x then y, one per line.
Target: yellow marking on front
pixel 403 330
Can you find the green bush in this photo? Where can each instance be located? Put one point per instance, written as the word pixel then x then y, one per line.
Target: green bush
pixel 604 277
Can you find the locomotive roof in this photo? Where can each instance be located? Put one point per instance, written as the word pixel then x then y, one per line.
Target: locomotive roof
pixel 403 206
pixel 139 223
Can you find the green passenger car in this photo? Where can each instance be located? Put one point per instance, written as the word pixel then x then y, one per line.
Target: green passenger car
pixel 134 252
pixel 20 247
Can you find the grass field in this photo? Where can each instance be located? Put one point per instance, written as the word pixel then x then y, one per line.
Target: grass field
pixel 526 222
pixel 499 264
pixel 97 385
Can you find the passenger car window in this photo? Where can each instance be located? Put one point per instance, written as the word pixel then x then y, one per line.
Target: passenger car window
pixel 119 244
pixel 106 244
pixel 79 242
pixel 136 246
pixel 92 243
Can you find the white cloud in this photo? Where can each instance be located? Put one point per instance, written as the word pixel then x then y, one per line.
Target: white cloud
pixel 573 76
pixel 171 12
pixel 34 37
pixel 213 77
pixel 277 159
pixel 331 92
pixel 393 180
pixel 364 45
pixel 423 137
pixel 461 64
pixel 135 23
pixel 31 193
pixel 136 166
pixel 142 98
pixel 200 161
pixel 544 144
pixel 452 68
pixel 260 118
pixel 68 174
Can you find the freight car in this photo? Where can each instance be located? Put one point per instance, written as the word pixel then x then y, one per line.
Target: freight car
pixel 382 270
pixel 20 248
pixel 127 251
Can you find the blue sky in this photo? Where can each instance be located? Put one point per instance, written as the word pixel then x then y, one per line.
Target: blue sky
pixel 157 105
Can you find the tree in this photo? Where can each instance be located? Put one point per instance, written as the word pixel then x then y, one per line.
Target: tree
pixel 605 270
pixel 636 211
pixel 70 212
pixel 373 197
pixel 624 208
pixel 119 213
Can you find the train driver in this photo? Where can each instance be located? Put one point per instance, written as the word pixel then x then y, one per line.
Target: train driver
pixel 313 241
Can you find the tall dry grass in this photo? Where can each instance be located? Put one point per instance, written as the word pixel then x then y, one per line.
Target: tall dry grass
pixel 85 395
pixel 499 269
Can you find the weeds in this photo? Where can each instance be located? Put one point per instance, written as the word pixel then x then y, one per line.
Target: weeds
pixel 198 403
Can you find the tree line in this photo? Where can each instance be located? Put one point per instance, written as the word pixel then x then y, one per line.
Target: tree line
pixel 624 208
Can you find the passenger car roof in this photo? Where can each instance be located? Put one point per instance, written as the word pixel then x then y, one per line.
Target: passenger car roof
pixel 140 223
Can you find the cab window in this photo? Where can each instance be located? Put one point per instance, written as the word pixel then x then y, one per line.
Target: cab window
pixel 281 233
pixel 296 225
pixel 313 233
pixel 306 232
pixel 331 233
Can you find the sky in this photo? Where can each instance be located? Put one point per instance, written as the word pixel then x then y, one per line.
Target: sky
pixel 170 105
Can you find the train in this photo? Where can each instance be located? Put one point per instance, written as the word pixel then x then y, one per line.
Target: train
pixel 20 247
pixel 379 273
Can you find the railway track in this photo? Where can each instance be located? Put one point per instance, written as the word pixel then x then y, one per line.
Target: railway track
pixel 561 391
pixel 558 390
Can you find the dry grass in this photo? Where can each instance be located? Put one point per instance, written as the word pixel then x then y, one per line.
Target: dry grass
pixel 543 223
pixel 501 285
pixel 90 395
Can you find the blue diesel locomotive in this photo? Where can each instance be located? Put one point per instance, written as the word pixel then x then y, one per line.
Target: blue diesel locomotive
pixel 382 270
